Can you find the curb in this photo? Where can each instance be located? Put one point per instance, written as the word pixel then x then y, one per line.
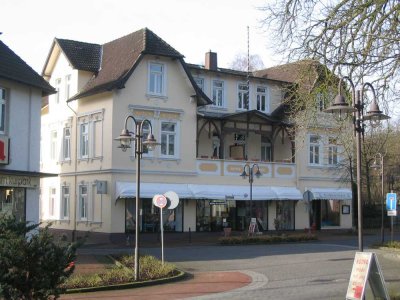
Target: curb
pixel 180 276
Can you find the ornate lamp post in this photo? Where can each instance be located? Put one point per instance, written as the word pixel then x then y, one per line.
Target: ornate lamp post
pixel 248 171
pixel 125 139
pixel 340 106
pixel 376 166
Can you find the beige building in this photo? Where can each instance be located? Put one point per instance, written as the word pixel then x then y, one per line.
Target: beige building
pixel 210 123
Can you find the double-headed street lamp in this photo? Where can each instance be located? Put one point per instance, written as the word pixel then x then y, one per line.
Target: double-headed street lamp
pixel 377 165
pixel 248 171
pixel 125 139
pixel 340 106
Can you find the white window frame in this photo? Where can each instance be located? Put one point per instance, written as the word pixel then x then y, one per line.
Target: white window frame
pixel 57 84
pixel 66 144
pixel 67 86
pixel 65 202
pixel 262 96
pixel 169 134
pixel 159 77
pixel 218 93
pixel 3 110
pixel 84 140
pixel 315 150
pixel 53 144
pixel 52 201
pixel 243 96
pixel 333 152
pixel 83 208
pixel 200 82
pixel 266 146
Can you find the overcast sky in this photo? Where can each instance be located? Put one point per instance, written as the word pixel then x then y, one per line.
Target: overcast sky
pixel 192 27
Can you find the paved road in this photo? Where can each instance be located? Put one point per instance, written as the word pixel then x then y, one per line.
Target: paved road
pixel 318 270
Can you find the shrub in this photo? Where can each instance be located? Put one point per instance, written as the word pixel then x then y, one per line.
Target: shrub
pixel 266 239
pixel 32 263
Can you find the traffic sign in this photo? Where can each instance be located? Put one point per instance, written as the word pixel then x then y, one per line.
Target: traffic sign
pixel 160 201
pixel 391 204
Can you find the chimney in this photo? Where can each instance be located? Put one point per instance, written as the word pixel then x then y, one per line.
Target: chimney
pixel 211 61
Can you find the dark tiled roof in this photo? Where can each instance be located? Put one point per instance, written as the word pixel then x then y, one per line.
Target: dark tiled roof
pixel 120 57
pixel 82 56
pixel 12 67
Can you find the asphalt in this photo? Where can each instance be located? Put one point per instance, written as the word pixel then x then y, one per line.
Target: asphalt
pixel 196 285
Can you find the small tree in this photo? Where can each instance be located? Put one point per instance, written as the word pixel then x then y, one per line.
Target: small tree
pixel 32 263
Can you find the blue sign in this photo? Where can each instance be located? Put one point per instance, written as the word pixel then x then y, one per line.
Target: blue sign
pixel 391 201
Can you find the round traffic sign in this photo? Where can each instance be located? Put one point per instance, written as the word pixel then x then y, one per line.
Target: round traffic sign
pixel 160 201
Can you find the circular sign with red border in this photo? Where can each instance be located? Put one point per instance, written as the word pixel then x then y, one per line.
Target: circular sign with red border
pixel 160 201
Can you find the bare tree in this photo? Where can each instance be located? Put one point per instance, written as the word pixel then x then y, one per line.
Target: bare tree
pixel 240 62
pixel 360 39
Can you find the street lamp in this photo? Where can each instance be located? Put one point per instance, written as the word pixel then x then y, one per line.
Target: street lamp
pixel 125 139
pixel 250 173
pixel 376 166
pixel 340 106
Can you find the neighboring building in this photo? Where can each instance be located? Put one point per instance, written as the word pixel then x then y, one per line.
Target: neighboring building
pixel 21 93
pixel 208 125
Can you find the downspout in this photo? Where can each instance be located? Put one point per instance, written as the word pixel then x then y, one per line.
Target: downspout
pixel 75 170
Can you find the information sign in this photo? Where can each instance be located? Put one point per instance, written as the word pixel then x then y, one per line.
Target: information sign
pixel 391 204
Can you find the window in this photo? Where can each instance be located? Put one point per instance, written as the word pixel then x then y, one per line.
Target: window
pixel 168 139
pixel 218 93
pixel 58 84
pixel 83 202
pixel 145 133
pixel 330 213
pixel 65 202
pixel 67 144
pixel 2 110
pixel 53 145
pixel 266 149
pixel 262 104
pixel 84 141
pixel 332 152
pixel 200 82
pixel 67 87
pixel 156 78
pixel 243 96
pixel 314 150
pixel 52 201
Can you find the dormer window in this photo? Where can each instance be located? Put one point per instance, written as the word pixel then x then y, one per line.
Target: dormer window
pixel 156 84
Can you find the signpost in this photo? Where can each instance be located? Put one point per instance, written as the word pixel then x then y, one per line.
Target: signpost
pixel 391 207
pixel 366 267
pixel 161 201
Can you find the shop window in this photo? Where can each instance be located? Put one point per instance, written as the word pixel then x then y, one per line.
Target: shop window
pixel 284 215
pixel 203 215
pixel 12 202
pixel 330 213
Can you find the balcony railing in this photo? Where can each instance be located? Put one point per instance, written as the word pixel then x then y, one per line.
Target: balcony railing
pixel 222 167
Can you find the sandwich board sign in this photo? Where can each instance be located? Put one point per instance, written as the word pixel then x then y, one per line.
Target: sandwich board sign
pixel 366 267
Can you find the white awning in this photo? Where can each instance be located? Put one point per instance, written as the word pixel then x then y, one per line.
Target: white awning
pixel 205 191
pixel 331 194
pixel 219 192
pixel 287 193
pixel 148 190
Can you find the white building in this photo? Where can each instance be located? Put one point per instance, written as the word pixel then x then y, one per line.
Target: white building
pixel 21 93
pixel 208 127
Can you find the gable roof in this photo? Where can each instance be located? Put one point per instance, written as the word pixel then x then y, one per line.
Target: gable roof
pixel 12 67
pixel 82 56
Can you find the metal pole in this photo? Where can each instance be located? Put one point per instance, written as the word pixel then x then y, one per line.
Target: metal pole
pixel 251 191
pixel 359 129
pixel 391 225
pixel 383 206
pixel 162 235
pixel 138 142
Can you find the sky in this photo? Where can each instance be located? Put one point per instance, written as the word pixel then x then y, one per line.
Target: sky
pixel 192 27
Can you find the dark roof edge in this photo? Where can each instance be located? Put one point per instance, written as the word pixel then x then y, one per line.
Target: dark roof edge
pixel 26 173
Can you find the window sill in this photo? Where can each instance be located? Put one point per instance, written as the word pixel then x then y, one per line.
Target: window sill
pixel 157 96
pixel 214 107
pixel 170 159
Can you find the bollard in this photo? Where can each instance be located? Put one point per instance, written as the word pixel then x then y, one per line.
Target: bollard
pixel 190 235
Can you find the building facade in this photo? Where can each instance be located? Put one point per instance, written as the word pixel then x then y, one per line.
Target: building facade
pixel 210 123
pixel 21 92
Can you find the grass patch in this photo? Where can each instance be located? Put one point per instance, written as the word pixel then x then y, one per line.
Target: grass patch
pixel 266 239
pixel 392 245
pixel 150 269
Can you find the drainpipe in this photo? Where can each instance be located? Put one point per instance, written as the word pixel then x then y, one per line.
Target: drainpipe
pixel 75 170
